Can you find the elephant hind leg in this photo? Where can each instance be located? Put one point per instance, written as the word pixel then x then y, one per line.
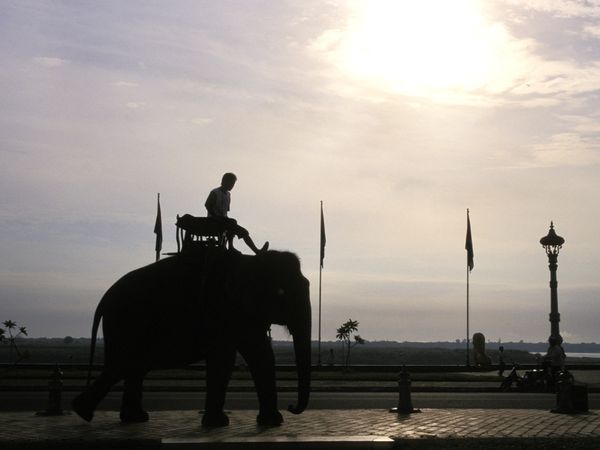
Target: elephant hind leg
pixel 85 403
pixel 131 404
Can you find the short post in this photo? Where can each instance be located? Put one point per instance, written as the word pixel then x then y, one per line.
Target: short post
pixel 55 386
pixel 570 398
pixel 405 405
pixel 564 393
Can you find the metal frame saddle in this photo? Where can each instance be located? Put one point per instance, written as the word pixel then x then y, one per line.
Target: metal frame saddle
pixel 196 233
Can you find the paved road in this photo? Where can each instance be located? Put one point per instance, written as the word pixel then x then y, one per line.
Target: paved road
pixel 161 401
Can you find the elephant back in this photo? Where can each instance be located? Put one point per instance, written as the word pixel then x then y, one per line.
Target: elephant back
pixel 176 304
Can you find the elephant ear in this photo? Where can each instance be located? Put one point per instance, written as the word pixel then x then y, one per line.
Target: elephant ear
pixel 280 268
pixel 277 277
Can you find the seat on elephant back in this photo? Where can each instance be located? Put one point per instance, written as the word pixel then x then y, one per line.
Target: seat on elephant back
pixel 196 234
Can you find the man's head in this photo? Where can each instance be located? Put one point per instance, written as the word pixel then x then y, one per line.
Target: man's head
pixel 228 181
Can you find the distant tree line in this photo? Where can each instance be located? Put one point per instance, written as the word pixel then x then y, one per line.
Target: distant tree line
pixel 53 350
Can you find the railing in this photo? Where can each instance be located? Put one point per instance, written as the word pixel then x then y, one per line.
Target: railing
pixel 326 368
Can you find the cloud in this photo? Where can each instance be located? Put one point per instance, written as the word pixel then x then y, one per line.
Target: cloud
pixel 551 78
pixel 48 61
pixel 473 60
pixel 560 8
pixel 126 84
pixel 588 124
pixel 201 121
pixel 566 149
pixel 327 41
pixel 592 30
pixel 135 105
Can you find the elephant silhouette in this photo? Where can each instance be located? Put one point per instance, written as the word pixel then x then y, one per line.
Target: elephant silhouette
pixel 183 309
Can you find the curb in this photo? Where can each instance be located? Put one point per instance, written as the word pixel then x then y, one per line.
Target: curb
pixel 566 443
pixel 456 389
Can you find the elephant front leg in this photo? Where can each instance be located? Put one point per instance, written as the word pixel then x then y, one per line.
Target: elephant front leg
pixel 218 373
pixel 259 356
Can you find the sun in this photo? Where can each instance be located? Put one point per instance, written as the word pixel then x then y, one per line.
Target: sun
pixel 425 47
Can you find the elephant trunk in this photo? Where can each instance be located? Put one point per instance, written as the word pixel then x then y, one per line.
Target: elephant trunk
pixel 302 348
pixel 303 365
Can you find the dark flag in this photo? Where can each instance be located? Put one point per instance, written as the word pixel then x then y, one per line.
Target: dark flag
pixel 469 244
pixel 158 230
pixel 323 238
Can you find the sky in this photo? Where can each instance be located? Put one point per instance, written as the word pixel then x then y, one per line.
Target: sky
pixel 398 115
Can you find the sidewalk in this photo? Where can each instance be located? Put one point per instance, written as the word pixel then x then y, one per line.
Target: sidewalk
pixel 432 428
pixel 359 381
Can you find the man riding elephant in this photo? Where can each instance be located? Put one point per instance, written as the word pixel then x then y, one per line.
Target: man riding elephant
pixel 217 206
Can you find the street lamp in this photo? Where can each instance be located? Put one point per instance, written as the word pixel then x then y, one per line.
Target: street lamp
pixel 552 243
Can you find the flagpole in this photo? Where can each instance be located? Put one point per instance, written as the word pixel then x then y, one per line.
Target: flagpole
pixel 468 270
pixel 469 248
pixel 320 280
pixel 319 349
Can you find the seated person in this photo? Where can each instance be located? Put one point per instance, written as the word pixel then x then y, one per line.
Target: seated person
pixel 217 205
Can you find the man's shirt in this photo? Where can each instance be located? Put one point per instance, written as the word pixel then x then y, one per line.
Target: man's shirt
pixel 217 203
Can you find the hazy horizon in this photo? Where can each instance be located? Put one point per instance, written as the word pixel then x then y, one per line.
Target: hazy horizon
pixel 462 343
pixel 397 115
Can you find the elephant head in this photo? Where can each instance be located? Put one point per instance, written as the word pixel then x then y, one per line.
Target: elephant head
pixel 286 301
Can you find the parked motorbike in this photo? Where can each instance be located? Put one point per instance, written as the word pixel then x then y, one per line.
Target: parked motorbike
pixel 536 380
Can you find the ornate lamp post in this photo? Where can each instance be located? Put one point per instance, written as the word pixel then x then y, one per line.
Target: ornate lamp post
pixel 552 243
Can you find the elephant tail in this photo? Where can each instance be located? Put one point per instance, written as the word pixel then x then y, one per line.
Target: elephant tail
pixel 95 326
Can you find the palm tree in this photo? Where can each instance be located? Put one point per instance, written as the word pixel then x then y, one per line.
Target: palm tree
pixel 344 334
pixel 11 339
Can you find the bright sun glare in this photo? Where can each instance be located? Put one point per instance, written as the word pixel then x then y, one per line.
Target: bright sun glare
pixel 425 47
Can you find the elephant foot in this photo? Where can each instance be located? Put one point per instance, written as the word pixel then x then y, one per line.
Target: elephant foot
pixel 218 419
pixel 82 407
pixel 134 416
pixel 273 419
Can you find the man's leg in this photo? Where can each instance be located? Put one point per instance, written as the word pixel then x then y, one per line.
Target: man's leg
pixel 243 233
pixel 229 226
pixel 234 229
pixel 250 243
